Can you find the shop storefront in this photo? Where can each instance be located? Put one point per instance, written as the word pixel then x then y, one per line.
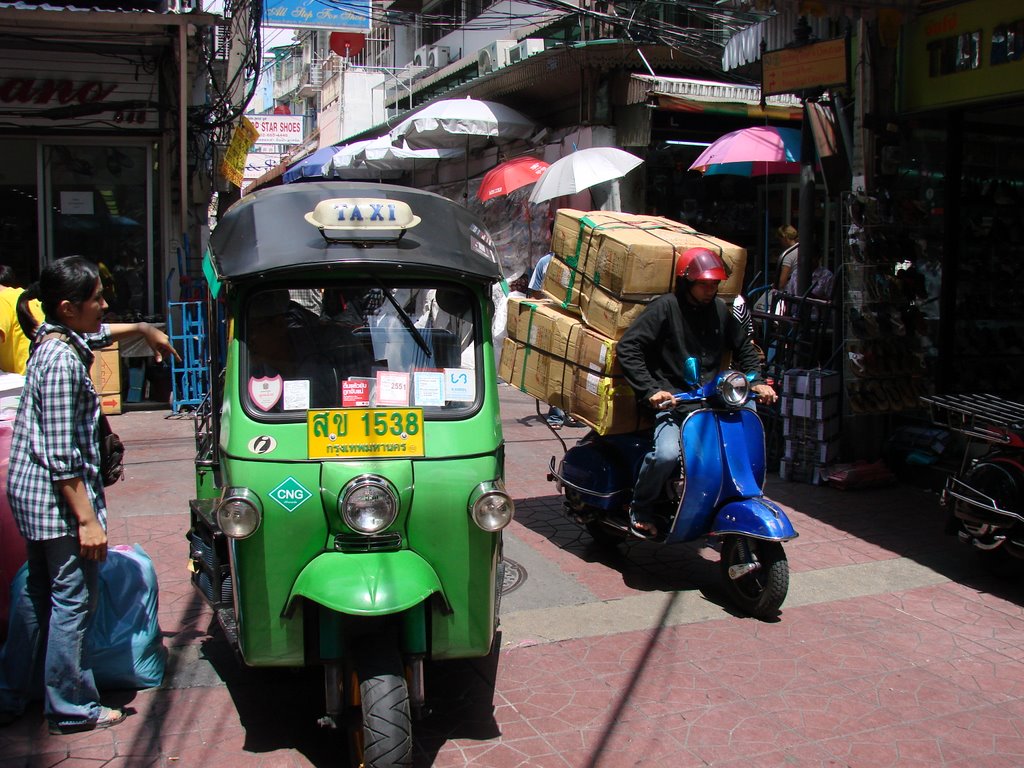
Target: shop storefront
pixel 94 141
pixel 957 183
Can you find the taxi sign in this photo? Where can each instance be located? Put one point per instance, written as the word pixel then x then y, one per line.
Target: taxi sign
pixel 362 218
pixel 365 433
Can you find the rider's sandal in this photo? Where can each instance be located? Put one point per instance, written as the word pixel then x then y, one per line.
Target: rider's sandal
pixel 649 532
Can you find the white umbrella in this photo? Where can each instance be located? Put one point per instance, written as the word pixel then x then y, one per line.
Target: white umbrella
pixel 384 155
pixel 581 170
pixel 463 123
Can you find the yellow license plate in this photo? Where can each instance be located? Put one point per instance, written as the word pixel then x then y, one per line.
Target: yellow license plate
pixel 365 433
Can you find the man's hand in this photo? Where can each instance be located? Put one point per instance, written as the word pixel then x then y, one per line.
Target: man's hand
pixel 764 394
pixel 92 540
pixel 661 401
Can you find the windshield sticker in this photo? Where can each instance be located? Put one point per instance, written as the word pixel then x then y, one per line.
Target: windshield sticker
pixel 356 392
pixel 428 388
pixel 296 395
pixel 262 444
pixel 459 385
pixel 265 391
pixel 392 388
pixel 290 494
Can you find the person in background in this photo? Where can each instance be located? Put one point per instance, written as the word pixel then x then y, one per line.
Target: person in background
pixel 57 497
pixel 13 342
pixel 556 417
pixel 692 321
pixel 787 235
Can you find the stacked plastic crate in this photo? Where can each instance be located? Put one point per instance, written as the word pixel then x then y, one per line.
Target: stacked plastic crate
pixel 810 426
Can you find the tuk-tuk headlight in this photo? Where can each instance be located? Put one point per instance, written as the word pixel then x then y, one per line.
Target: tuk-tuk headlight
pixel 734 389
pixel 490 506
pixel 239 513
pixel 368 504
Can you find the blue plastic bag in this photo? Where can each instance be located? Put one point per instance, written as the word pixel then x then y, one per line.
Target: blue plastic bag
pixel 123 646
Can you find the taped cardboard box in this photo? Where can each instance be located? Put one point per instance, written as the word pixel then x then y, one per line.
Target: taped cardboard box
pixel 524 368
pixel 607 313
pixel 106 378
pixel 632 256
pixel 562 285
pixel 542 324
pixel 606 404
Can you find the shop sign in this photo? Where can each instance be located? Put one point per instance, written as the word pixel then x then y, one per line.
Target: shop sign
pixel 965 54
pixel 69 89
pixel 277 129
pixel 258 163
pixel 345 15
pixel 232 167
pixel 808 67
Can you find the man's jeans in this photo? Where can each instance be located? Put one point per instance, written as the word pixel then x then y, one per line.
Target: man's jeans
pixel 52 614
pixel 658 465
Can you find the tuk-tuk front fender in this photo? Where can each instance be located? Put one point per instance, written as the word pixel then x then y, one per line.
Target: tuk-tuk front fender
pixel 366 584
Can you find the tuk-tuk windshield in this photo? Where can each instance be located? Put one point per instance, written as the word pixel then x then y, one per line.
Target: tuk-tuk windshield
pixel 363 344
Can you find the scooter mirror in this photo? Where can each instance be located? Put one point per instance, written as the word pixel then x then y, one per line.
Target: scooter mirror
pixel 692 371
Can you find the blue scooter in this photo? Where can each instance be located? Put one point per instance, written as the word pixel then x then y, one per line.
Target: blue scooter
pixel 717 494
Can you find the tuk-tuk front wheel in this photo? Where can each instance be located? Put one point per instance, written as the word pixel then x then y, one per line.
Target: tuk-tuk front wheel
pixel 384 737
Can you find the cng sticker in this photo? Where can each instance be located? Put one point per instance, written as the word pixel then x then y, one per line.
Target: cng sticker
pixel 290 494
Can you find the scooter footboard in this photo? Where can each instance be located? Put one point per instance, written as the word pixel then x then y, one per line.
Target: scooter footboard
pixel 367 584
pixel 758 518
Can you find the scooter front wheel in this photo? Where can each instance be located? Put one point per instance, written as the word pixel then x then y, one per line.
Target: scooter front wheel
pixel 385 738
pixel 756 574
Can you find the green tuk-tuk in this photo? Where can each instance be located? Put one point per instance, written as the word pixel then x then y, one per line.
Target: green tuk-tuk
pixel 349 470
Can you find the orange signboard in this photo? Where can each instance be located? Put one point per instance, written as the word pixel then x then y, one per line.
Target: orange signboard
pixel 817 65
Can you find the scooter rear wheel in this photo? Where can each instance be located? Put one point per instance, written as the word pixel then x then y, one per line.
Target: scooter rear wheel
pixel 386 734
pixel 761 592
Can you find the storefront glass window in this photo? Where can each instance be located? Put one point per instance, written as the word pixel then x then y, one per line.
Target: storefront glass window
pixel 99 207
pixel 19 238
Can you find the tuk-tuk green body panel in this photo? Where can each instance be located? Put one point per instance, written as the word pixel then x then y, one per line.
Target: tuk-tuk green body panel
pixel 368 583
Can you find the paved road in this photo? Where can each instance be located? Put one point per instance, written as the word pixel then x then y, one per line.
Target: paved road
pixel 893 648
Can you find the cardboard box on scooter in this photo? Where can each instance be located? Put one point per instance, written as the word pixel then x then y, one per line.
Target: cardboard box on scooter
pixel 562 285
pixel 606 404
pixel 607 313
pixel 543 325
pixel 524 368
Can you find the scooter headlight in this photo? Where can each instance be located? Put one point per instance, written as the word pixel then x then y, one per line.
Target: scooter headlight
pixel 368 504
pixel 239 513
pixel 734 389
pixel 490 506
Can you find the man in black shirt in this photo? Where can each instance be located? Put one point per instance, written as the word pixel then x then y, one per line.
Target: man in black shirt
pixel 691 322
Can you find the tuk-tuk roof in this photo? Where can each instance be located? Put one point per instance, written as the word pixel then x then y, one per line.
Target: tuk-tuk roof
pixel 267 231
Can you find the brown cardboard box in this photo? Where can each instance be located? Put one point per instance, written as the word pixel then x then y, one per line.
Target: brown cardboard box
pixel 106 378
pixel 562 285
pixel 605 404
pixel 597 353
pixel 608 313
pixel 541 324
pixel 631 256
pixel 525 368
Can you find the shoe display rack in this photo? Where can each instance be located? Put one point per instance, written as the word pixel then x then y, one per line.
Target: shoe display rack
pixel 884 357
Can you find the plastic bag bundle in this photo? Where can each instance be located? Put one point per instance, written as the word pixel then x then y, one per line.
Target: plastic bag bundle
pixel 124 646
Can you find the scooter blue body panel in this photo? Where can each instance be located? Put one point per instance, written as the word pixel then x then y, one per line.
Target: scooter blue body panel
pixel 755 517
pixel 704 467
pixel 724 458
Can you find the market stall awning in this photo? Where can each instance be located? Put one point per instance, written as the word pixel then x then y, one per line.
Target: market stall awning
pixel 681 94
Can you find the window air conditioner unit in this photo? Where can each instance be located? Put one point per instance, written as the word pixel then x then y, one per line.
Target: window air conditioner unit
pixel 525 49
pixel 494 56
pixel 438 56
pixel 419 58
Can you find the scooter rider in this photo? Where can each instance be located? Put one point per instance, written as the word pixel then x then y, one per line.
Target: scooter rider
pixel 690 322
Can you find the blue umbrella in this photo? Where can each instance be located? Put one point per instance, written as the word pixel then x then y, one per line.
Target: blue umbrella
pixel 315 166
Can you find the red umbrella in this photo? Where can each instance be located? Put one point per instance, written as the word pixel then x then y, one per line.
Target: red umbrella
pixel 510 175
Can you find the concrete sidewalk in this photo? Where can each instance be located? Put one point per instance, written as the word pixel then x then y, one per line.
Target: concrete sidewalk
pixel 894 648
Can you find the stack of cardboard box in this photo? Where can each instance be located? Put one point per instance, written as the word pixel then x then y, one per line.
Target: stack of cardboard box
pixel 810 409
pixel 606 267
